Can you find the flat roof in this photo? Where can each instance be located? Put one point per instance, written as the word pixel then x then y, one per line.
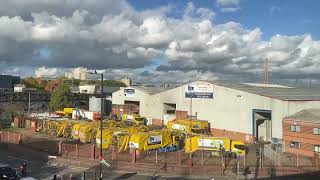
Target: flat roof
pixel 307 115
pixel 277 92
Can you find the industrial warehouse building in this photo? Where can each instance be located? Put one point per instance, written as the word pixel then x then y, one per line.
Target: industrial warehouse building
pixel 236 110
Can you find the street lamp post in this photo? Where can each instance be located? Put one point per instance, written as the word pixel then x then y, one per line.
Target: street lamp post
pixel 101 125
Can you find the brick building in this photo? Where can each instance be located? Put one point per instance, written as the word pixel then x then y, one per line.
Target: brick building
pixel 301 132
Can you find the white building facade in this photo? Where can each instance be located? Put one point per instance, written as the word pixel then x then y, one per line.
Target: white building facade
pixel 240 111
pixel 77 73
pixel 87 89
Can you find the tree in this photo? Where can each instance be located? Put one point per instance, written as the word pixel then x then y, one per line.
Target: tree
pixel 110 83
pixel 60 98
pixel 37 83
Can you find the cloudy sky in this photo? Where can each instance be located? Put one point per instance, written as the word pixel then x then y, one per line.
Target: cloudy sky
pixel 162 40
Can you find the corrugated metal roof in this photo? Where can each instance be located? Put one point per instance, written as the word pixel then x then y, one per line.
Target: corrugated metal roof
pixel 151 89
pixel 110 89
pixel 273 91
pixel 307 115
pixel 282 93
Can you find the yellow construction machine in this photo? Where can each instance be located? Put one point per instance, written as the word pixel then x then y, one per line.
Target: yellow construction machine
pixel 117 136
pixel 76 129
pixel 50 127
pixel 59 128
pixel 134 118
pixel 87 132
pixel 64 129
pixel 189 126
pixel 106 138
pixel 67 112
pixel 215 144
pixel 162 141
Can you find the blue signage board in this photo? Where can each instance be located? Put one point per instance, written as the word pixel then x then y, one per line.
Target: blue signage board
pixel 199 91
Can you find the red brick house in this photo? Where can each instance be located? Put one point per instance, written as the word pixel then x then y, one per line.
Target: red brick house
pixel 301 132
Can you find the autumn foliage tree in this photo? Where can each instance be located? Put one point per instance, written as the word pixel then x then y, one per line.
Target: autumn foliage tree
pixel 60 98
pixel 37 83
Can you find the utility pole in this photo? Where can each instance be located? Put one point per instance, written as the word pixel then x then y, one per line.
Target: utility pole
pixel 266 72
pixel 101 121
pixel 190 126
pixel 191 107
pixel 101 126
pixel 310 82
pixel 72 91
pixel 29 104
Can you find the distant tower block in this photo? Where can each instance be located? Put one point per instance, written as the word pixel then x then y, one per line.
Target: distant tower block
pixel 77 73
pixel 126 81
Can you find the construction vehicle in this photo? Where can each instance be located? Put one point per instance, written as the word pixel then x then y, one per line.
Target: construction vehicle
pixel 50 127
pixel 68 112
pixel 106 138
pixel 162 141
pixel 118 136
pixel 87 132
pixel 134 118
pixel 218 145
pixel 189 126
pixel 64 129
pixel 75 130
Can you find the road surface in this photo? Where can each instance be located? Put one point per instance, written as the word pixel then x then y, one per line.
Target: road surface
pixel 38 168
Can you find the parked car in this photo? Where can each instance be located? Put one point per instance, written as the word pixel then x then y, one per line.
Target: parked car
pixel 7 172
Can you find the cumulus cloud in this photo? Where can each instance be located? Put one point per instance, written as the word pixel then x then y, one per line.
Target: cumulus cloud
pixel 274 9
pixel 49 72
pixel 137 75
pixel 42 37
pixel 230 9
pixel 228 5
pixel 227 2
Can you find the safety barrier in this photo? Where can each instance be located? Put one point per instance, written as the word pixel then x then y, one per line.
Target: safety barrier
pixel 10 137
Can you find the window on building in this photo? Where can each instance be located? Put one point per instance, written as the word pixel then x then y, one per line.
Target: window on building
pixel 316 131
pixel 295 145
pixel 295 128
pixel 317 148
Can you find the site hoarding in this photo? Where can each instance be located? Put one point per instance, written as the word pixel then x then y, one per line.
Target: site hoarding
pixel 204 91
